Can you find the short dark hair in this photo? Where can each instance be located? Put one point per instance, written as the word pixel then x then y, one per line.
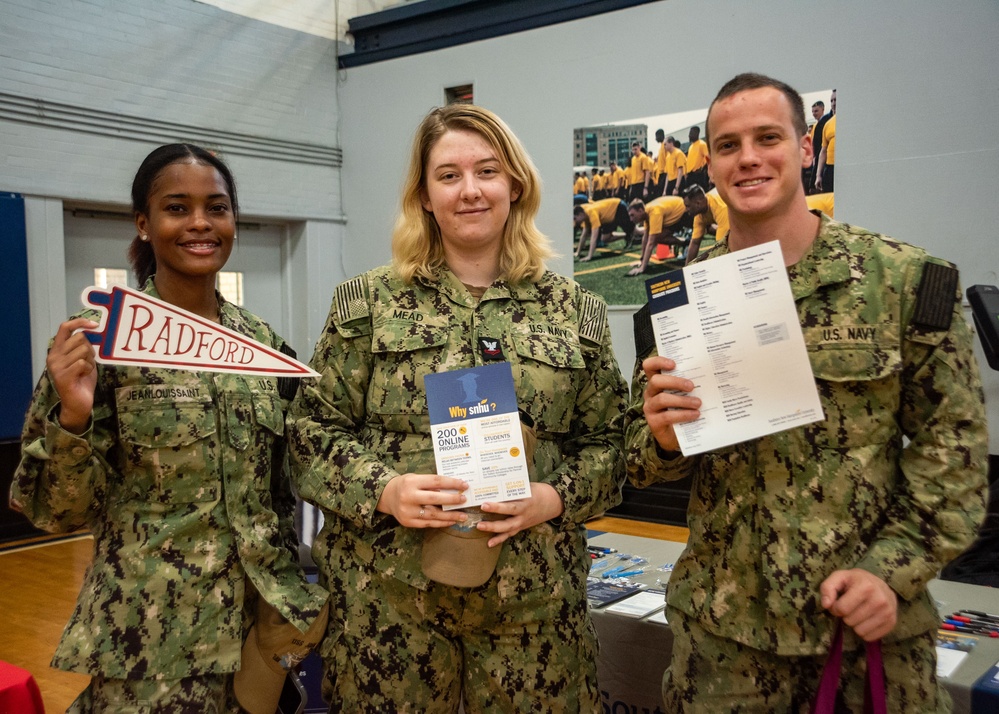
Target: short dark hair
pixel 577 209
pixel 635 143
pixel 819 103
pixel 694 191
pixel 752 80
pixel 695 130
pixel 659 133
pixel 140 252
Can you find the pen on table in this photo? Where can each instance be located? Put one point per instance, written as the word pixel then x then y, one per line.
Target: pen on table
pixel 600 549
pixel 600 564
pixel 979 613
pixel 971 630
pixel 629 563
pixel 975 625
pixel 628 573
pixel 964 620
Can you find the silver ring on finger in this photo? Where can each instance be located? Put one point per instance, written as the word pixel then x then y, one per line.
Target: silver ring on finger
pixel 423 512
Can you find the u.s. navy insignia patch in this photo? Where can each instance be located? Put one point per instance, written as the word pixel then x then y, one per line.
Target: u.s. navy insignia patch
pixel 490 349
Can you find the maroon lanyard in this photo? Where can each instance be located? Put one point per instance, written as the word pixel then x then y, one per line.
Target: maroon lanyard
pixel 875 701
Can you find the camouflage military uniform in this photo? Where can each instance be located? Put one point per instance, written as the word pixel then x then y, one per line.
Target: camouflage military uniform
pixel 180 477
pixel 771 518
pixel 398 642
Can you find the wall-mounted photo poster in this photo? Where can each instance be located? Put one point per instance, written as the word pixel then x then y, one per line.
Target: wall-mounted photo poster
pixel 643 201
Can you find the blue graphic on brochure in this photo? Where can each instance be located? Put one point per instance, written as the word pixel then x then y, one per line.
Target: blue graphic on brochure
pixel 476 433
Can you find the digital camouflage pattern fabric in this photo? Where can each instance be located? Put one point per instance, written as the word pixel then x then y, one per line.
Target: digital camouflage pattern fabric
pixel 207 694
pixel 180 478
pixel 396 648
pixel 710 674
pixel 770 519
pixel 365 421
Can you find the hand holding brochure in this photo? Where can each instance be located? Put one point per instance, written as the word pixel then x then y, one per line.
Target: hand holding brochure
pixel 475 427
pixel 731 327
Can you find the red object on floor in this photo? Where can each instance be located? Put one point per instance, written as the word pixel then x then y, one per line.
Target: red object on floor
pixel 18 691
pixel 665 252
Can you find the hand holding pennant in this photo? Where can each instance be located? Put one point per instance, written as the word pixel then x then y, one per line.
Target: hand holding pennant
pixel 140 330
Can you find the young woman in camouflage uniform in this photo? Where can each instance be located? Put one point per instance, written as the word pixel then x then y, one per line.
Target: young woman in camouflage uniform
pixel 180 475
pixel 467 284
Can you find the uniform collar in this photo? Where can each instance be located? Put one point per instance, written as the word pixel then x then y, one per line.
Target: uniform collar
pixel 446 283
pixel 827 262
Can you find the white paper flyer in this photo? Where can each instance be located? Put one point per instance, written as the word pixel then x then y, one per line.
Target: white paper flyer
pixel 476 431
pixel 731 326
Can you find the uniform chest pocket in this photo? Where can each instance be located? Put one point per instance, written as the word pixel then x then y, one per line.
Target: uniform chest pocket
pixel 547 376
pixel 858 386
pixel 403 354
pixel 253 419
pixel 169 447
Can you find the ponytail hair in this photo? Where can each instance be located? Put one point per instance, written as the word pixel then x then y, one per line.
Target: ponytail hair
pixel 142 259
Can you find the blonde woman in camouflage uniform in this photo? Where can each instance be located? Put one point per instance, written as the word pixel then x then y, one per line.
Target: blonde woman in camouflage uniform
pixel 180 475
pixel 467 284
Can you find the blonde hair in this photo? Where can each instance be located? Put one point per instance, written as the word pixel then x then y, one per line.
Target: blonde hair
pixel 417 248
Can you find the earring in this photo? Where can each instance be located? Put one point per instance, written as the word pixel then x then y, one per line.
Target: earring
pixel 144 238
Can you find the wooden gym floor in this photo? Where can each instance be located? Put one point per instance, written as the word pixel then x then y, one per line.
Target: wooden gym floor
pixel 42 576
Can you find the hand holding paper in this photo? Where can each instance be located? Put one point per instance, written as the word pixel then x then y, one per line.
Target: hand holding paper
pixel 476 432
pixel 666 402
pixel 417 500
pixel 542 505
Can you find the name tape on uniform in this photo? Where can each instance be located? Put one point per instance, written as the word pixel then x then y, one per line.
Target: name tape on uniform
pixel 139 330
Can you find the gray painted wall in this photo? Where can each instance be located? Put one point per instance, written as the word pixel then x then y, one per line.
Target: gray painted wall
pixel 917 155
pixel 88 88
pixel 134 73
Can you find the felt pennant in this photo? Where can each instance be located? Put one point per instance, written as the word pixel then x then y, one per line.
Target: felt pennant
pixel 140 330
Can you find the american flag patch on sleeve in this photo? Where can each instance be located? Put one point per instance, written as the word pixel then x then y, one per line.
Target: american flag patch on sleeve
pixel 350 301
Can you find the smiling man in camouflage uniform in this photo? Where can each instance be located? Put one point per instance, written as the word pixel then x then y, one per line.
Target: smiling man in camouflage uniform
pixel 846 518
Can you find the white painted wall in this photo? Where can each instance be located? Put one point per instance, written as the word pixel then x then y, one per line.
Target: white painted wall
pixel 918 84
